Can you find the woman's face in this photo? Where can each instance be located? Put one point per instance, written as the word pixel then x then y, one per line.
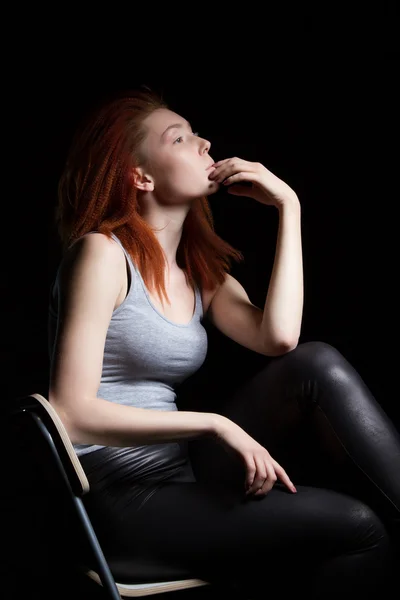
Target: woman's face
pixel 176 159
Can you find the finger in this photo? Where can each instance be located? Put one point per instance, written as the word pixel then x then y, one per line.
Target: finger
pixel 232 159
pixel 221 162
pixel 243 176
pixel 260 476
pixel 269 481
pixel 226 170
pixel 220 174
pixel 250 472
pixel 231 167
pixel 266 487
pixel 283 476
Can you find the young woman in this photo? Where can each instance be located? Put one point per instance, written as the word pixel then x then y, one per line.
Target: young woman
pixel 299 478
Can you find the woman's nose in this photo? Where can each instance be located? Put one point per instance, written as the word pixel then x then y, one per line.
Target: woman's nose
pixel 205 146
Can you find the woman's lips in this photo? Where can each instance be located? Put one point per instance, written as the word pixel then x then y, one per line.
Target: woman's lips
pixel 210 170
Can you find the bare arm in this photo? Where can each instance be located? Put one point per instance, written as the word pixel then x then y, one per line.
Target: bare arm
pixel 90 281
pixel 283 308
pixel 280 326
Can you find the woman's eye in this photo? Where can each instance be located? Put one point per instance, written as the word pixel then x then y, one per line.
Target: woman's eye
pixel 180 138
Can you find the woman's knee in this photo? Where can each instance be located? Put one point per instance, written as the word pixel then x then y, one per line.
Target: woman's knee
pixel 369 528
pixel 318 353
pixel 319 361
pixel 371 545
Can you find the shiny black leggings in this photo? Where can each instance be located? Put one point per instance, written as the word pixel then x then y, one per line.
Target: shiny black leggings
pixel 337 537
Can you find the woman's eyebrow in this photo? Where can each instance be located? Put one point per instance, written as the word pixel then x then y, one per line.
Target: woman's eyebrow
pixel 174 126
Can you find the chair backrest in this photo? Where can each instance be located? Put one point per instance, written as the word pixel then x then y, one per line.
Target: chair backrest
pixel 57 471
pixel 48 440
pixel 41 411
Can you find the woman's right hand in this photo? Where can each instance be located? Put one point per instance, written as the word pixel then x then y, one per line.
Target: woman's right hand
pixel 262 471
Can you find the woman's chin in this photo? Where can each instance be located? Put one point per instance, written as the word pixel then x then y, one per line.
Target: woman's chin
pixel 213 187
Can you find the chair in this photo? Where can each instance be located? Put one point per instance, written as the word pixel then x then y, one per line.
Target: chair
pixel 39 422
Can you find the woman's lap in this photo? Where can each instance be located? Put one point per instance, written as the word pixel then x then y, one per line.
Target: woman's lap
pixel 217 533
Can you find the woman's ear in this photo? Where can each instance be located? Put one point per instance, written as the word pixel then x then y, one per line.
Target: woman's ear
pixel 142 180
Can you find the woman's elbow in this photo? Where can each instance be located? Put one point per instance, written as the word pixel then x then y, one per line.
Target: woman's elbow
pixel 68 422
pixel 283 346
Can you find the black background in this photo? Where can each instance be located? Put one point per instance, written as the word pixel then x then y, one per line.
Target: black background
pixel 326 125
pixel 317 105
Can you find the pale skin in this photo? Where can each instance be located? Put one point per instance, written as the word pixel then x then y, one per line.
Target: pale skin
pixel 177 169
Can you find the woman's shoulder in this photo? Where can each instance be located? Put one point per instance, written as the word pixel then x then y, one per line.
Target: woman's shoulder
pixel 96 245
pixel 92 250
pixel 95 241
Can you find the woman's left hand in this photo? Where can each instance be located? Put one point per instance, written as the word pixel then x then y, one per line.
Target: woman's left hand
pixel 265 186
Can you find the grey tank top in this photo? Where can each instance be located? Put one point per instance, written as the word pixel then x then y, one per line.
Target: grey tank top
pixel 145 357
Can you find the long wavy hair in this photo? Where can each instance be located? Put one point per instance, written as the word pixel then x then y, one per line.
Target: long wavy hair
pixel 95 193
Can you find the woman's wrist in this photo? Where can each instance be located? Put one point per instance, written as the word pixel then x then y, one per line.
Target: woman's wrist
pixel 216 424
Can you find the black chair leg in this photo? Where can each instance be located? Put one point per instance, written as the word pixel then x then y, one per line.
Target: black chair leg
pixel 102 567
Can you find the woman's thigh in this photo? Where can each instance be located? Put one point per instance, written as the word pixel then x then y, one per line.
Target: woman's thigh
pixel 318 419
pixel 221 535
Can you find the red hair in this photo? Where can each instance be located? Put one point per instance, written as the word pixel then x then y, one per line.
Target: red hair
pixel 95 193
